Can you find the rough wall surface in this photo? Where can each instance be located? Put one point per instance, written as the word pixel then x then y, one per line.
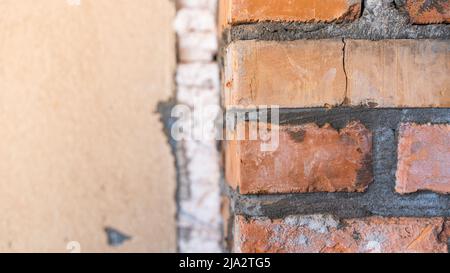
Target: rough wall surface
pixel 325 234
pixel 84 161
pixel 380 19
pixel 386 73
pixel 384 68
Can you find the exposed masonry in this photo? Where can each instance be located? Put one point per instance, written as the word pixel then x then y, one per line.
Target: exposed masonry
pixel 198 196
pixel 380 198
pixel 381 19
pixel 326 233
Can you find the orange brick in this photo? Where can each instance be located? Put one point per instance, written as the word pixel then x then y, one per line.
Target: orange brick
pixel 246 11
pixel 423 158
pixel 321 233
pixel 388 73
pixel 428 12
pixel 307 159
pixel 288 74
pixel 222 21
pixel 398 73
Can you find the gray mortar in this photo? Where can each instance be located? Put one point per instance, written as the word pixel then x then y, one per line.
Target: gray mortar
pixel 164 108
pixel 380 198
pixel 381 19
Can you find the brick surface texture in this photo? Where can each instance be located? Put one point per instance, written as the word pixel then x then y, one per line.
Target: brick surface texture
pixel 316 73
pixel 289 74
pixel 363 93
pixel 325 234
pixel 309 159
pixel 427 12
pixel 398 73
pixel 423 158
pixel 245 11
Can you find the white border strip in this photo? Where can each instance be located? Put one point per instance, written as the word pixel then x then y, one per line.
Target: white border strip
pixel 199 216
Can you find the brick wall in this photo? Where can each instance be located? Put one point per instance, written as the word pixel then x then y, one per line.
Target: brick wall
pixel 363 156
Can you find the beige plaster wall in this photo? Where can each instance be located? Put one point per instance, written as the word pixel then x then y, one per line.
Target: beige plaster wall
pixel 81 147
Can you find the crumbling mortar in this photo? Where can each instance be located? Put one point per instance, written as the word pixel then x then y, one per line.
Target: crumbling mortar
pixel 381 19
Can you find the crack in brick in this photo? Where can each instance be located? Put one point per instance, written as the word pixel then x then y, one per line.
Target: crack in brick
pixel 344 52
pixel 421 236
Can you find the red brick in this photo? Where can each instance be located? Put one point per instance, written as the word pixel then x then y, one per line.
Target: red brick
pixel 387 73
pixel 423 158
pixel 308 159
pixel 289 74
pixel 320 233
pixel 428 12
pixel 247 11
pixel 397 73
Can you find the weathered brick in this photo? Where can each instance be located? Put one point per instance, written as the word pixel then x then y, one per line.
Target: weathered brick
pixel 247 11
pixel 445 235
pixel 423 158
pixel 398 73
pixel 308 159
pixel 322 233
pixel 388 73
pixel 288 74
pixel 428 11
pixel 222 21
